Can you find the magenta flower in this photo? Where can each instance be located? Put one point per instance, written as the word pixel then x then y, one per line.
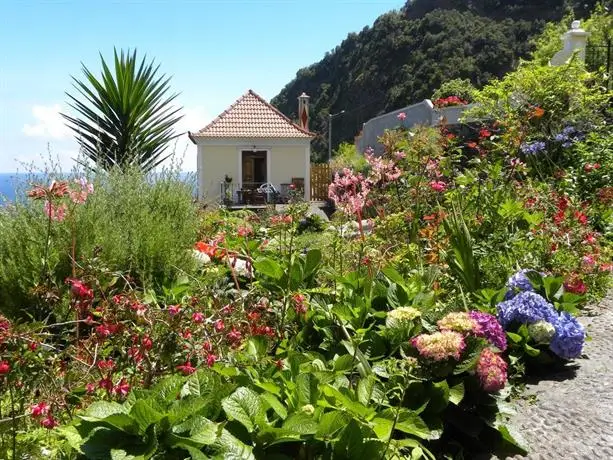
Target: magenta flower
pixel 438 186
pixel 491 370
pixel 55 212
pixel 401 116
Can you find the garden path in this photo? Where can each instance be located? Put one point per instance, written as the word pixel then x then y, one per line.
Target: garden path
pixel 572 416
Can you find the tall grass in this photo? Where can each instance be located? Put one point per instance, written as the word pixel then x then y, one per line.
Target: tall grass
pixel 142 225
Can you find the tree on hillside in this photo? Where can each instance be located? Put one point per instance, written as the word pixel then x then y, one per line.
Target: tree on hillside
pixel 125 118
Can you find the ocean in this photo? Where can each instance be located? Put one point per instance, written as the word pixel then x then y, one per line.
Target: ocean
pixel 14 184
pixel 10 183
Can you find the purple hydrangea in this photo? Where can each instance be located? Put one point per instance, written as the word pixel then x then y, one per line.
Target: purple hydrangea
pixel 518 282
pixel 532 148
pixel 490 329
pixel 569 337
pixel 526 308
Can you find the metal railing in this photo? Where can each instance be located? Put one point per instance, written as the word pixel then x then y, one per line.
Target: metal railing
pixel 249 193
pixel 599 56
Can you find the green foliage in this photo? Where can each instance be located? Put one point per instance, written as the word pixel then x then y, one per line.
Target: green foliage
pixel 462 88
pixel 144 226
pixel 123 119
pixel 406 55
pixel 347 156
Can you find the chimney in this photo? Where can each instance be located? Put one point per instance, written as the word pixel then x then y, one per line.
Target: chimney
pixel 303 111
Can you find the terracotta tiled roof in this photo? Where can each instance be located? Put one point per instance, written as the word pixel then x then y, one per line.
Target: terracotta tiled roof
pixel 251 116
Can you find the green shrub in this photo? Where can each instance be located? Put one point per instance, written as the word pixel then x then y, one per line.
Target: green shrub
pixel 456 87
pixel 131 223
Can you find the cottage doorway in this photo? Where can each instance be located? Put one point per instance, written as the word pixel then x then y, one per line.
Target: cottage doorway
pixel 254 169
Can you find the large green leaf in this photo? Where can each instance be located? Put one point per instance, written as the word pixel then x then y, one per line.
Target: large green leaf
pixel 274 404
pixel 144 414
pixel 231 448
pixel 268 267
pixel 313 259
pixel 301 423
pixel 331 423
pixel 244 406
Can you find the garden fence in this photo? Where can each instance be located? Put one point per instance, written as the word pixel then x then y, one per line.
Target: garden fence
pixel 599 56
pixel 321 176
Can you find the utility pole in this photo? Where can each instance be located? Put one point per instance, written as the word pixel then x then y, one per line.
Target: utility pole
pixel 330 117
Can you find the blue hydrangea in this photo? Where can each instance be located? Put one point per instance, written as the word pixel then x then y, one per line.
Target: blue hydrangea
pixel 569 337
pixel 519 282
pixel 532 148
pixel 526 308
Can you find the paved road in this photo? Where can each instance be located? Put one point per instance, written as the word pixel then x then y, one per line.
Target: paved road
pixel 572 417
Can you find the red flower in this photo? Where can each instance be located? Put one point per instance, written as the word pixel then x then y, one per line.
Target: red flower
pixel 197 317
pixel 581 218
pixel 90 388
pixel 147 342
pixel 186 334
pixel 575 285
pixel 210 360
pixel 79 289
pixel 104 365
pixel 103 331
pixel 484 133
pixel 106 383
pixel 438 186
pixel 122 388
pixel 5 367
pixel 207 346
pixel 174 310
pixel 187 368
pixel 49 422
pixel 471 145
pixel 234 336
pixel 558 217
pixel 40 409
pixel 299 304
pixel 279 364
pixel 219 325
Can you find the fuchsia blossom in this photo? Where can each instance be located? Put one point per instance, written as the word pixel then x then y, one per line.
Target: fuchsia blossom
pixel 122 388
pixel 49 422
pixel 197 317
pixel 174 310
pixel 438 186
pixel 40 409
pixel 210 359
pixel 401 116
pixel 186 368
pixel 219 325
pixel 491 370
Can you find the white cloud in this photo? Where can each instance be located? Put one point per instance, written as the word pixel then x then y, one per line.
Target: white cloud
pixel 49 123
pixel 194 119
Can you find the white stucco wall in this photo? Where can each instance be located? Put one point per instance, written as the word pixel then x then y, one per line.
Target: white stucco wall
pixel 287 158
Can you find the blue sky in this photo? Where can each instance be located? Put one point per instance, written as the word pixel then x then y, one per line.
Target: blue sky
pixel 214 50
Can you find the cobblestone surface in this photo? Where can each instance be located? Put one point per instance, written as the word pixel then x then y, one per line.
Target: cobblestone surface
pixel 572 417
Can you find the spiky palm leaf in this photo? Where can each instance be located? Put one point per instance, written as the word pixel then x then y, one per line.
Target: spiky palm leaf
pixel 124 119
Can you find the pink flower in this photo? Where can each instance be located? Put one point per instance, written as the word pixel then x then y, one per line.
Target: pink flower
pixel 299 304
pixel 400 155
pixel 105 365
pixel 174 310
pixel 234 336
pixel 122 388
pixel 219 325
pixel 588 260
pixel 438 186
pixel 491 370
pixel 55 212
pixel 187 368
pixel 106 383
pixel 244 231
pixel 197 317
pixel 40 409
pixel 440 345
pixel 401 116
pixel 90 388
pixel 49 422
pixel 103 331
pixel 210 360
pixel 207 346
pixel 79 289
pixel 5 367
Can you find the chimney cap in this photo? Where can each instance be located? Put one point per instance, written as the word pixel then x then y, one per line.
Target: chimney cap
pixel 304 95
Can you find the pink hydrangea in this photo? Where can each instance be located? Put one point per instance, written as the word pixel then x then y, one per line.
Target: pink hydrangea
pixel 440 345
pixel 491 370
pixel 459 322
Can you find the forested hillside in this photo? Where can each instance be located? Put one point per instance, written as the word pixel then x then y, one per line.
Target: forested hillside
pixel 406 55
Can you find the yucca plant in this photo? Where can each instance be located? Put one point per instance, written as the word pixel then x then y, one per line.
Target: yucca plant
pixel 125 118
pixel 461 259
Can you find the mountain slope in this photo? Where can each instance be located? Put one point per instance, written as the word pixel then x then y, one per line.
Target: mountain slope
pixel 406 55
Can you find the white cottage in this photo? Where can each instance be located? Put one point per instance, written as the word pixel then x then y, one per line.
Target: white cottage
pixel 252 153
